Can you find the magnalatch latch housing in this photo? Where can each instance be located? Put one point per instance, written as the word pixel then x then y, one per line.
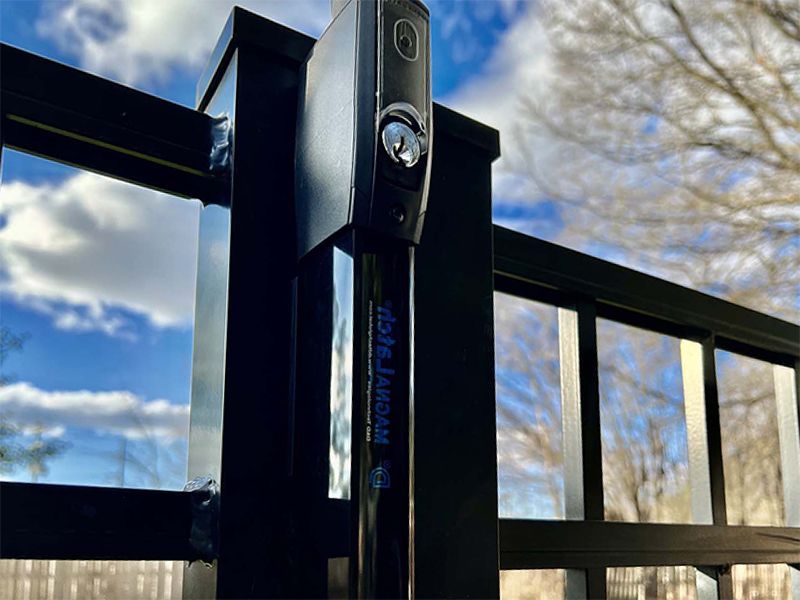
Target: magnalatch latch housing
pixel 363 148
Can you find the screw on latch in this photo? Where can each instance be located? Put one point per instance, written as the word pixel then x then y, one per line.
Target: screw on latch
pixel 398 213
pixel 401 143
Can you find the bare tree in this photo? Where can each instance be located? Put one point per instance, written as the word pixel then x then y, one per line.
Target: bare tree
pixel 9 450
pixel 668 132
pixel 147 460
pixel 676 128
pixel 644 444
pixel 9 342
pixel 645 464
pixel 529 440
pixel 35 454
pixel 13 452
pixel 677 125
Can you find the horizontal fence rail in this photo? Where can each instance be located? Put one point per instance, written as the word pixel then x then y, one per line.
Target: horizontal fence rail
pixel 64 114
pixel 68 522
pixel 529 544
pixel 534 268
pixel 46 521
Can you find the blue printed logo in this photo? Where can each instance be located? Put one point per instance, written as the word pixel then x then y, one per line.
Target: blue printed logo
pixel 379 478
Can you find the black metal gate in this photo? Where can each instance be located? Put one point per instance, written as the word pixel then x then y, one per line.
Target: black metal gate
pixel 267 328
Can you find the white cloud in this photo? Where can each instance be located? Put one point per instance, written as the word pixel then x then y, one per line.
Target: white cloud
pixel 111 413
pixel 470 29
pixel 80 250
pixel 139 41
pixel 519 64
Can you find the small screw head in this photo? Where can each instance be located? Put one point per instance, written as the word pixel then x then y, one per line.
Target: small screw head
pixel 398 213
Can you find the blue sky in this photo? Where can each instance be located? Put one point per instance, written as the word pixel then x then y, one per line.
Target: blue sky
pixel 464 35
pixel 99 275
pixel 101 368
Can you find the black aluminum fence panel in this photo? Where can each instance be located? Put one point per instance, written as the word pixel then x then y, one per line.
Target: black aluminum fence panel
pixel 531 267
pixel 64 114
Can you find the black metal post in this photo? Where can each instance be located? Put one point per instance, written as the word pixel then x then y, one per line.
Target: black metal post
pixel 583 458
pixel 242 355
pixel 719 509
pixel 455 441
